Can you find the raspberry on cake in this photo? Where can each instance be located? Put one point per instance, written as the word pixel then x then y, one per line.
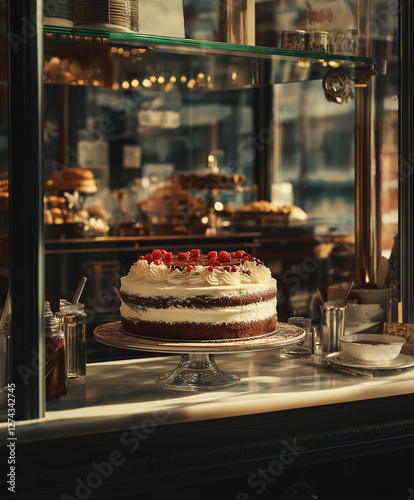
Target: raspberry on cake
pixel 191 296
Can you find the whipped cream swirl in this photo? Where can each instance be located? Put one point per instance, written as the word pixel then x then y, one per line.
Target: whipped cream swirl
pixel 246 272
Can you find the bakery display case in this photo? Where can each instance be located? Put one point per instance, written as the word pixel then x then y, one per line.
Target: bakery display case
pixel 179 146
pixel 246 130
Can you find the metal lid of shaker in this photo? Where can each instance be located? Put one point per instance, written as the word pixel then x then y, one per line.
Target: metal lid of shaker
pixel 52 323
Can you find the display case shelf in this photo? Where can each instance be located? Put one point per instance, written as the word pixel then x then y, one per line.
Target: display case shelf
pixel 142 62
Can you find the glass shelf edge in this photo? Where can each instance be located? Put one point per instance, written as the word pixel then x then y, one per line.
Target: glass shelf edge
pixel 221 48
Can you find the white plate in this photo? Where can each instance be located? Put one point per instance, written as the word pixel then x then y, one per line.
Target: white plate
pixel 113 335
pixel 401 361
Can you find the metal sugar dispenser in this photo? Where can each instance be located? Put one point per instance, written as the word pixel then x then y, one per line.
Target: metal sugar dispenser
pixel 73 318
pixel 55 359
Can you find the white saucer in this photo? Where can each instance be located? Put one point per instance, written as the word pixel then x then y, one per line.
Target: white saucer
pixel 401 361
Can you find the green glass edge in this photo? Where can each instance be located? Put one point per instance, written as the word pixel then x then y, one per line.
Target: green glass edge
pixel 220 47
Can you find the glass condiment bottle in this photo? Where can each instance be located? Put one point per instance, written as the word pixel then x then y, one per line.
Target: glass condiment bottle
pixel 5 354
pixel 55 365
pixel 73 318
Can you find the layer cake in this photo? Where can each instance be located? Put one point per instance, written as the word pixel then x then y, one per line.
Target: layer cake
pixel 191 296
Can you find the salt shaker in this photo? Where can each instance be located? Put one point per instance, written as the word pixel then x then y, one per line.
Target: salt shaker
pixel 55 365
pixel 73 318
pixel 306 345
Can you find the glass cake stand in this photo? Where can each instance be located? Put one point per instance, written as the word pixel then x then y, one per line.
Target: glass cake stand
pixel 197 369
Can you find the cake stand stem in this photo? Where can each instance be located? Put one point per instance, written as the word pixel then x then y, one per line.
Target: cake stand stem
pixel 197 372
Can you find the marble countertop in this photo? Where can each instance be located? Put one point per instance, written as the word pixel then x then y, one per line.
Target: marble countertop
pixel 119 395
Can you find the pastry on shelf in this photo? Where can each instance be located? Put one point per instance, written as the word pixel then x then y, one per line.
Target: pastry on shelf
pixel 211 179
pixel 295 212
pixel 61 221
pixel 58 220
pixel 72 179
pixel 94 220
pixel 55 210
pixel 171 209
pixel 208 180
pixel 4 194
pixel 171 200
pixel 261 207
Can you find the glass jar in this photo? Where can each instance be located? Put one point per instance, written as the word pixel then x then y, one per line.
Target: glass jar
pixel 55 363
pixel 306 345
pixel 73 318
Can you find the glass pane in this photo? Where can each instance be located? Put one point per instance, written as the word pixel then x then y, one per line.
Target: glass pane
pixel 338 162
pixel 141 111
pixel 385 45
pixel 139 145
pixel 120 60
pixel 4 205
pixel 317 168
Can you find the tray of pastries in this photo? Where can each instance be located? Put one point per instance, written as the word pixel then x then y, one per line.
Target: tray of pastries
pixel 265 213
pixel 71 179
pixel 173 210
pixel 208 181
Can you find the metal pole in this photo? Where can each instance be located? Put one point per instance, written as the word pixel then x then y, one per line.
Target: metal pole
pixel 236 21
pixel 366 201
pixel 25 83
pixel 366 229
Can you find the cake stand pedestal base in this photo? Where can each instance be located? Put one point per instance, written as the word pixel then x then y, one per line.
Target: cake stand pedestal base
pixel 197 372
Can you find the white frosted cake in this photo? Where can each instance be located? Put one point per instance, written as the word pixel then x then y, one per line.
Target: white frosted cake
pixel 190 296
